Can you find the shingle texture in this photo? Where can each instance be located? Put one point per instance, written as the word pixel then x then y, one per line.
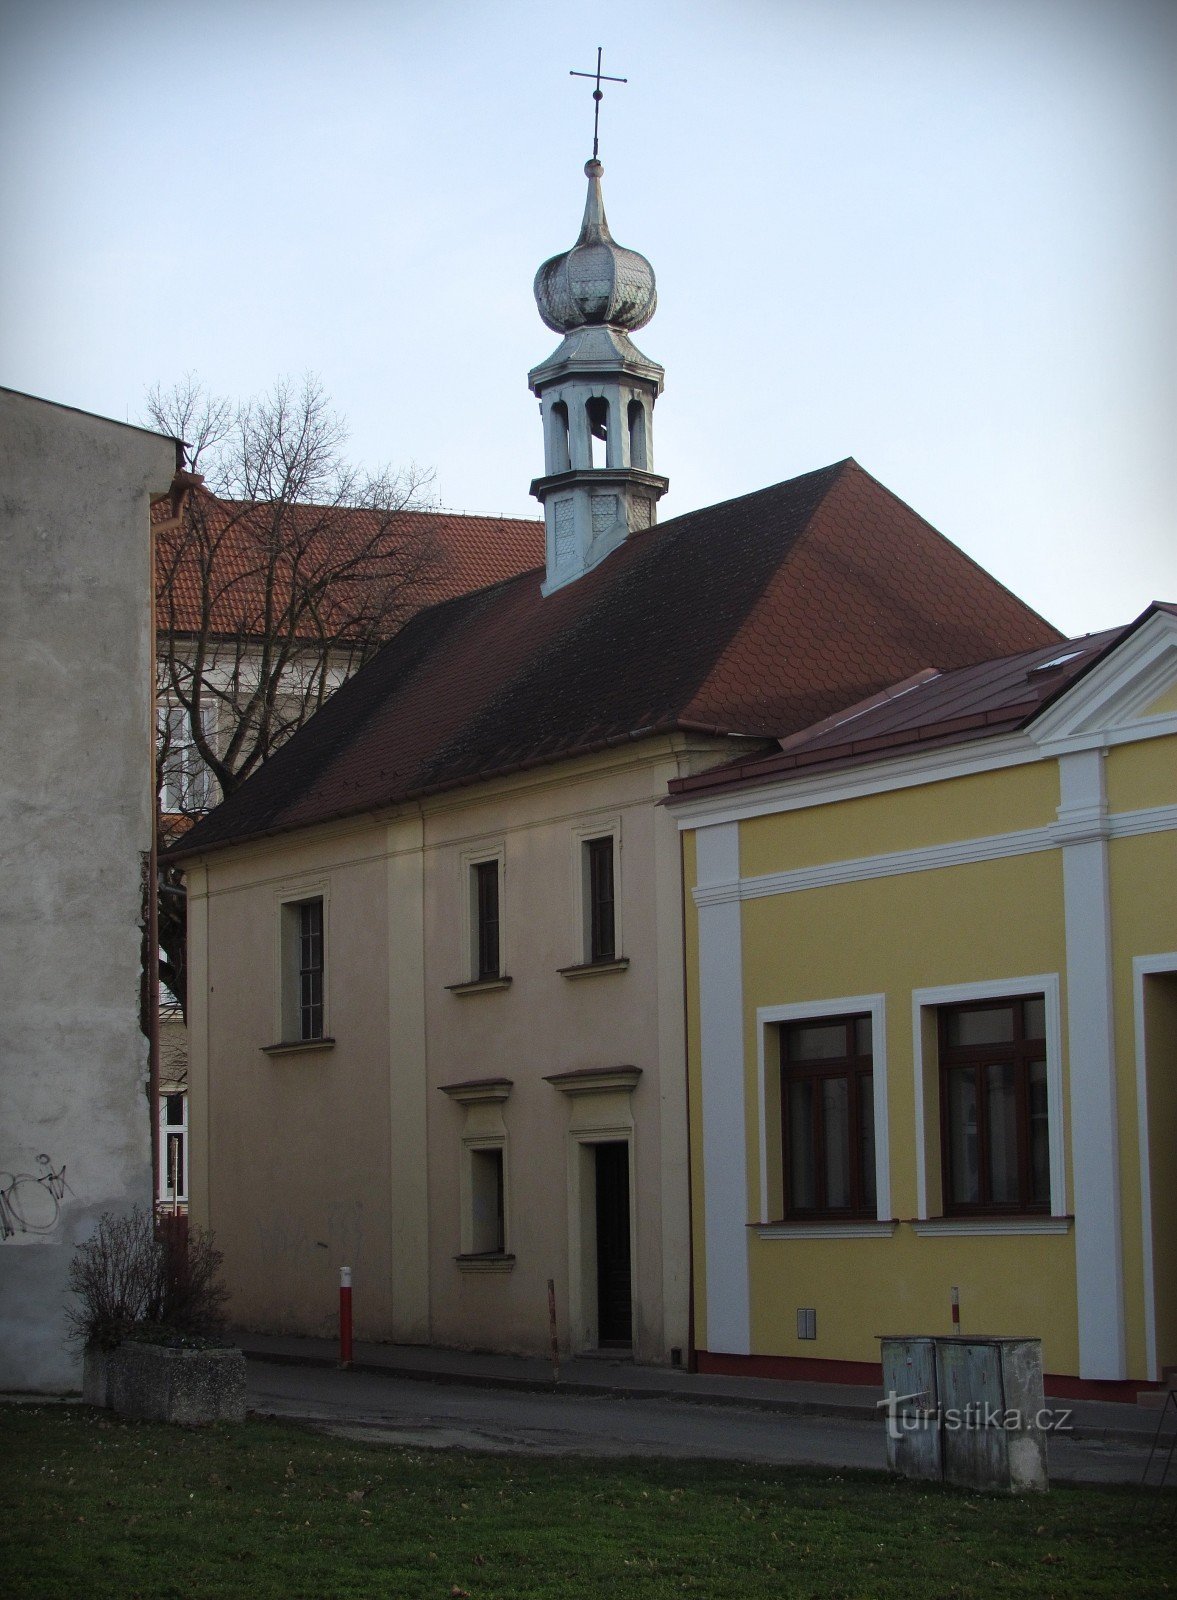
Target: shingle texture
pixel 437 554
pixel 755 617
pixel 929 709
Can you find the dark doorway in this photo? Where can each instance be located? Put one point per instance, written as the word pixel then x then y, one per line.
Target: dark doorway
pixel 614 1298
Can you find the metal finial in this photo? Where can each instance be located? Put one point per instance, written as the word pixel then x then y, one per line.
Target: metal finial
pixel 598 96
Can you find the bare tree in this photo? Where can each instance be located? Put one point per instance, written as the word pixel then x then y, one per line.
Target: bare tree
pixel 280 569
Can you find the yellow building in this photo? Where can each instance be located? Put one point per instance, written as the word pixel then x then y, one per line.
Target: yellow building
pixel 932 1022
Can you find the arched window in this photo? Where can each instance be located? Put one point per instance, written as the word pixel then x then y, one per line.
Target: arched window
pixel 561 461
pixel 597 410
pixel 637 434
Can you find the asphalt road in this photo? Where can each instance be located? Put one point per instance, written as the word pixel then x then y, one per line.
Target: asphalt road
pixel 421 1414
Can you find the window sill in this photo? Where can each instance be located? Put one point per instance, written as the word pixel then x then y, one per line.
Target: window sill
pixel 485 1261
pixel 288 1047
pixel 971 1227
pixel 595 969
pixel 831 1228
pixel 479 985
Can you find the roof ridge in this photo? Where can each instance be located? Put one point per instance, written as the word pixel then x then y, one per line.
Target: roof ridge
pixel 834 467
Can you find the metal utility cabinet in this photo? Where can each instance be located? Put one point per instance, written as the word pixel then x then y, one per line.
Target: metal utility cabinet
pixel 967 1410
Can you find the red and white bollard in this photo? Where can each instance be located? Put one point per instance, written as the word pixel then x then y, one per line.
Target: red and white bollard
pixel 345 1317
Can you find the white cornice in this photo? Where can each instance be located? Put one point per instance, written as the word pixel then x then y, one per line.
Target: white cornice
pixel 957 853
pixel 795 793
pixel 1102 710
pixel 1110 698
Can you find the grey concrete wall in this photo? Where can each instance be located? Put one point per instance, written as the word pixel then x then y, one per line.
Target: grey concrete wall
pixel 76 807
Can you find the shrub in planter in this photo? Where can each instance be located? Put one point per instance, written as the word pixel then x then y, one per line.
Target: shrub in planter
pixel 149 1305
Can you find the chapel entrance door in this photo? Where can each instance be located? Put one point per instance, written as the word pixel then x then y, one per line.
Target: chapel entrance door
pixel 614 1287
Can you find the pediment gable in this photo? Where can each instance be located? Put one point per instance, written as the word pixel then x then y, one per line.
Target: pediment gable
pixel 1132 687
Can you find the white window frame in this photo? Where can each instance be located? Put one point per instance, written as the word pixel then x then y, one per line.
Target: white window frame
pixel 168 1130
pixel 770 1017
pixel 288 1022
pixel 608 827
pixel 1144 967
pixel 192 770
pixel 1047 985
pixel 473 857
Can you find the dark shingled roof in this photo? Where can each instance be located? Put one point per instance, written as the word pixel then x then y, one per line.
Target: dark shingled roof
pixel 927 710
pixel 757 617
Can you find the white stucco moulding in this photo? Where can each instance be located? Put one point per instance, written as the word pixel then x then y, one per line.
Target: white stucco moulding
pixel 1142 968
pixel 725 1159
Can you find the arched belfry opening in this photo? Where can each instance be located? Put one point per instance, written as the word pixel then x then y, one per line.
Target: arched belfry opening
pixel 597 391
pixel 637 434
pixel 596 409
pixel 561 460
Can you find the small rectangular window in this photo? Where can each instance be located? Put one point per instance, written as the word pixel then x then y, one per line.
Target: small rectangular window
pixel 173 1147
pixel 310 969
pixel 186 785
pixel 828 1117
pixel 995 1136
pixel 485 894
pixel 304 970
pixel 602 940
pixel 487 1224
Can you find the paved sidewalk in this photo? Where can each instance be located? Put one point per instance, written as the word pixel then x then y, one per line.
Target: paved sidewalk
pixel 604 1375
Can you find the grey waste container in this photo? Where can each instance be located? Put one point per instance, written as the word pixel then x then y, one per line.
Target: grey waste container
pixel 967 1410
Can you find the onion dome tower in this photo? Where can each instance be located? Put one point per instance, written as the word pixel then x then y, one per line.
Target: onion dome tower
pixel 596 393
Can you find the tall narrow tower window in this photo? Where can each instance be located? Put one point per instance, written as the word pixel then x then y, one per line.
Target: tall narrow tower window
pixel 561 460
pixel 597 410
pixel 637 434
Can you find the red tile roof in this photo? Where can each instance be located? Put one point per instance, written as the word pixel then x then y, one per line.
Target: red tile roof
pixel 442 553
pixel 754 617
pixel 927 710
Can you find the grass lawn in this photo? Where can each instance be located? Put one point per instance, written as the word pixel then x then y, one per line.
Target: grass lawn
pixel 92 1506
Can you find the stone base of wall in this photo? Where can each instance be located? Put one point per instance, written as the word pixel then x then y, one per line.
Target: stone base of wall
pixel 156 1384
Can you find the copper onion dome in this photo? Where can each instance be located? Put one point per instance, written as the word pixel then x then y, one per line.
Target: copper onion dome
pixel 597 281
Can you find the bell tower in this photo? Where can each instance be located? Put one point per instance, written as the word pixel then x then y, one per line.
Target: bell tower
pixel 596 393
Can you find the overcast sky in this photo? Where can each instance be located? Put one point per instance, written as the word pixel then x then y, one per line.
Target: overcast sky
pixel 937 235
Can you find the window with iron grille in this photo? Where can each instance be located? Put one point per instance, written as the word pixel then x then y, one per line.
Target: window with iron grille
pixel 995 1132
pixel 304 970
pixel 485 896
pixel 828 1117
pixel 310 969
pixel 602 939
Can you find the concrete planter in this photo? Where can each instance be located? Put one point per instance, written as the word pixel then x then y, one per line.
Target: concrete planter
pixel 94 1360
pixel 158 1384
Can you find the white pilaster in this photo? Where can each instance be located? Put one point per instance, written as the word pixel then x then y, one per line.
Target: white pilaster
pixel 725 1156
pixel 409 1195
pixel 1095 1154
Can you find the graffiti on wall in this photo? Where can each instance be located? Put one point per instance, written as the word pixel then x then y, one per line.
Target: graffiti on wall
pixel 30 1202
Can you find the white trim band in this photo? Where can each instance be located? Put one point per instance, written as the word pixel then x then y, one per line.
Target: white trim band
pixel 1076 829
pixel 977 1227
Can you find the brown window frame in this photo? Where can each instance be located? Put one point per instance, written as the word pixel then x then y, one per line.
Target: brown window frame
pixel 853 1066
pixel 1022 1051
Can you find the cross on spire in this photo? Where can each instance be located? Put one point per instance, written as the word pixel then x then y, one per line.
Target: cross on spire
pixel 598 94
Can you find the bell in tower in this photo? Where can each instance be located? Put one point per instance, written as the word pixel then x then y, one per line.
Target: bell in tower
pixel 596 393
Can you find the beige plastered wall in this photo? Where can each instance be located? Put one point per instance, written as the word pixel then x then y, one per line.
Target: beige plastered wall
pixel 352 1155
